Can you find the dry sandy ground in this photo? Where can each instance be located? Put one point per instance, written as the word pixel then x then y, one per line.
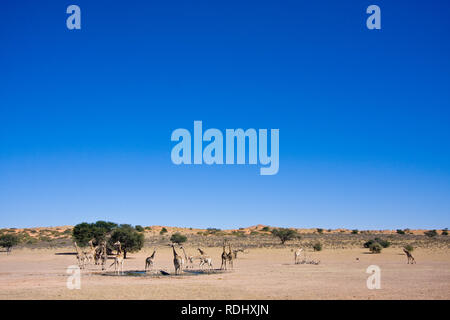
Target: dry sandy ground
pixel 260 274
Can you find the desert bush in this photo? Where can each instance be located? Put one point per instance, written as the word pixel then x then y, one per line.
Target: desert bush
pixel 400 231
pixel 254 233
pixel 319 230
pixel 355 231
pixel 139 228
pixel 163 231
pixel 317 246
pixel 178 238
pixel 409 248
pixel 285 234
pixel 431 233
pixel 445 232
pixel 265 229
pixel 383 243
pixel 375 247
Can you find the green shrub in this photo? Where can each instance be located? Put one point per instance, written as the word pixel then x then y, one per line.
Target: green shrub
pixel 445 232
pixel 265 229
pixel 317 246
pixel 163 231
pixel 383 243
pixel 139 228
pixel 355 231
pixel 409 248
pixel 319 230
pixel 431 233
pixel 178 238
pixel 400 231
pixel 375 247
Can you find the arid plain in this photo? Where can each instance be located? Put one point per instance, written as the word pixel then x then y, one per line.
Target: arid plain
pixel 265 270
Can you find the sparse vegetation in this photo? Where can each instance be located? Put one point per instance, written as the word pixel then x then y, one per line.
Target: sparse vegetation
pixel 265 229
pixel 355 231
pixel 163 231
pixel 139 228
pixel 409 248
pixel 319 230
pixel 400 231
pixel 445 232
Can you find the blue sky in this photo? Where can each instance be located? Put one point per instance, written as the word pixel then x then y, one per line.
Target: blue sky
pixel 86 115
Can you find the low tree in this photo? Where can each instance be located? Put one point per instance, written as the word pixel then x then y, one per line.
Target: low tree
pixel 285 234
pixel 139 228
pixel 130 239
pixel 178 238
pixel 317 246
pixel 355 231
pixel 8 241
pixel 400 231
pixel 319 230
pixel 431 233
pixel 82 233
pixel 383 243
pixel 375 247
pixel 445 232
pixel 163 231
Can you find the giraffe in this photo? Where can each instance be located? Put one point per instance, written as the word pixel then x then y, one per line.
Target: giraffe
pixel 149 261
pixel 204 259
pixel 80 256
pixel 90 253
pixel 409 256
pixel 297 254
pixel 230 256
pixel 187 259
pixel 118 259
pixel 224 258
pixel 177 260
pixel 103 254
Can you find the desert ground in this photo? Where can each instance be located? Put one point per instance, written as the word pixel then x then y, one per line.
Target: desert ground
pixel 261 273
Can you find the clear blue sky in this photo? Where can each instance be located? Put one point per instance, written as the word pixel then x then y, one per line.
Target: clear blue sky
pixel 86 115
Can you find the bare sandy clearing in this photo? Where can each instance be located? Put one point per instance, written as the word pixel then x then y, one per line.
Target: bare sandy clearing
pixel 260 274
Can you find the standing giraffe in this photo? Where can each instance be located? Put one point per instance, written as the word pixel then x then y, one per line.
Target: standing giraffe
pixel 118 259
pixel 224 258
pixel 149 261
pixel 204 259
pixel 80 256
pixel 230 256
pixel 103 254
pixel 409 256
pixel 189 260
pixel 177 260
pixel 297 254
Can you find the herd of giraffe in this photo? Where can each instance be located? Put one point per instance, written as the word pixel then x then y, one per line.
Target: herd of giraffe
pixel 98 256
